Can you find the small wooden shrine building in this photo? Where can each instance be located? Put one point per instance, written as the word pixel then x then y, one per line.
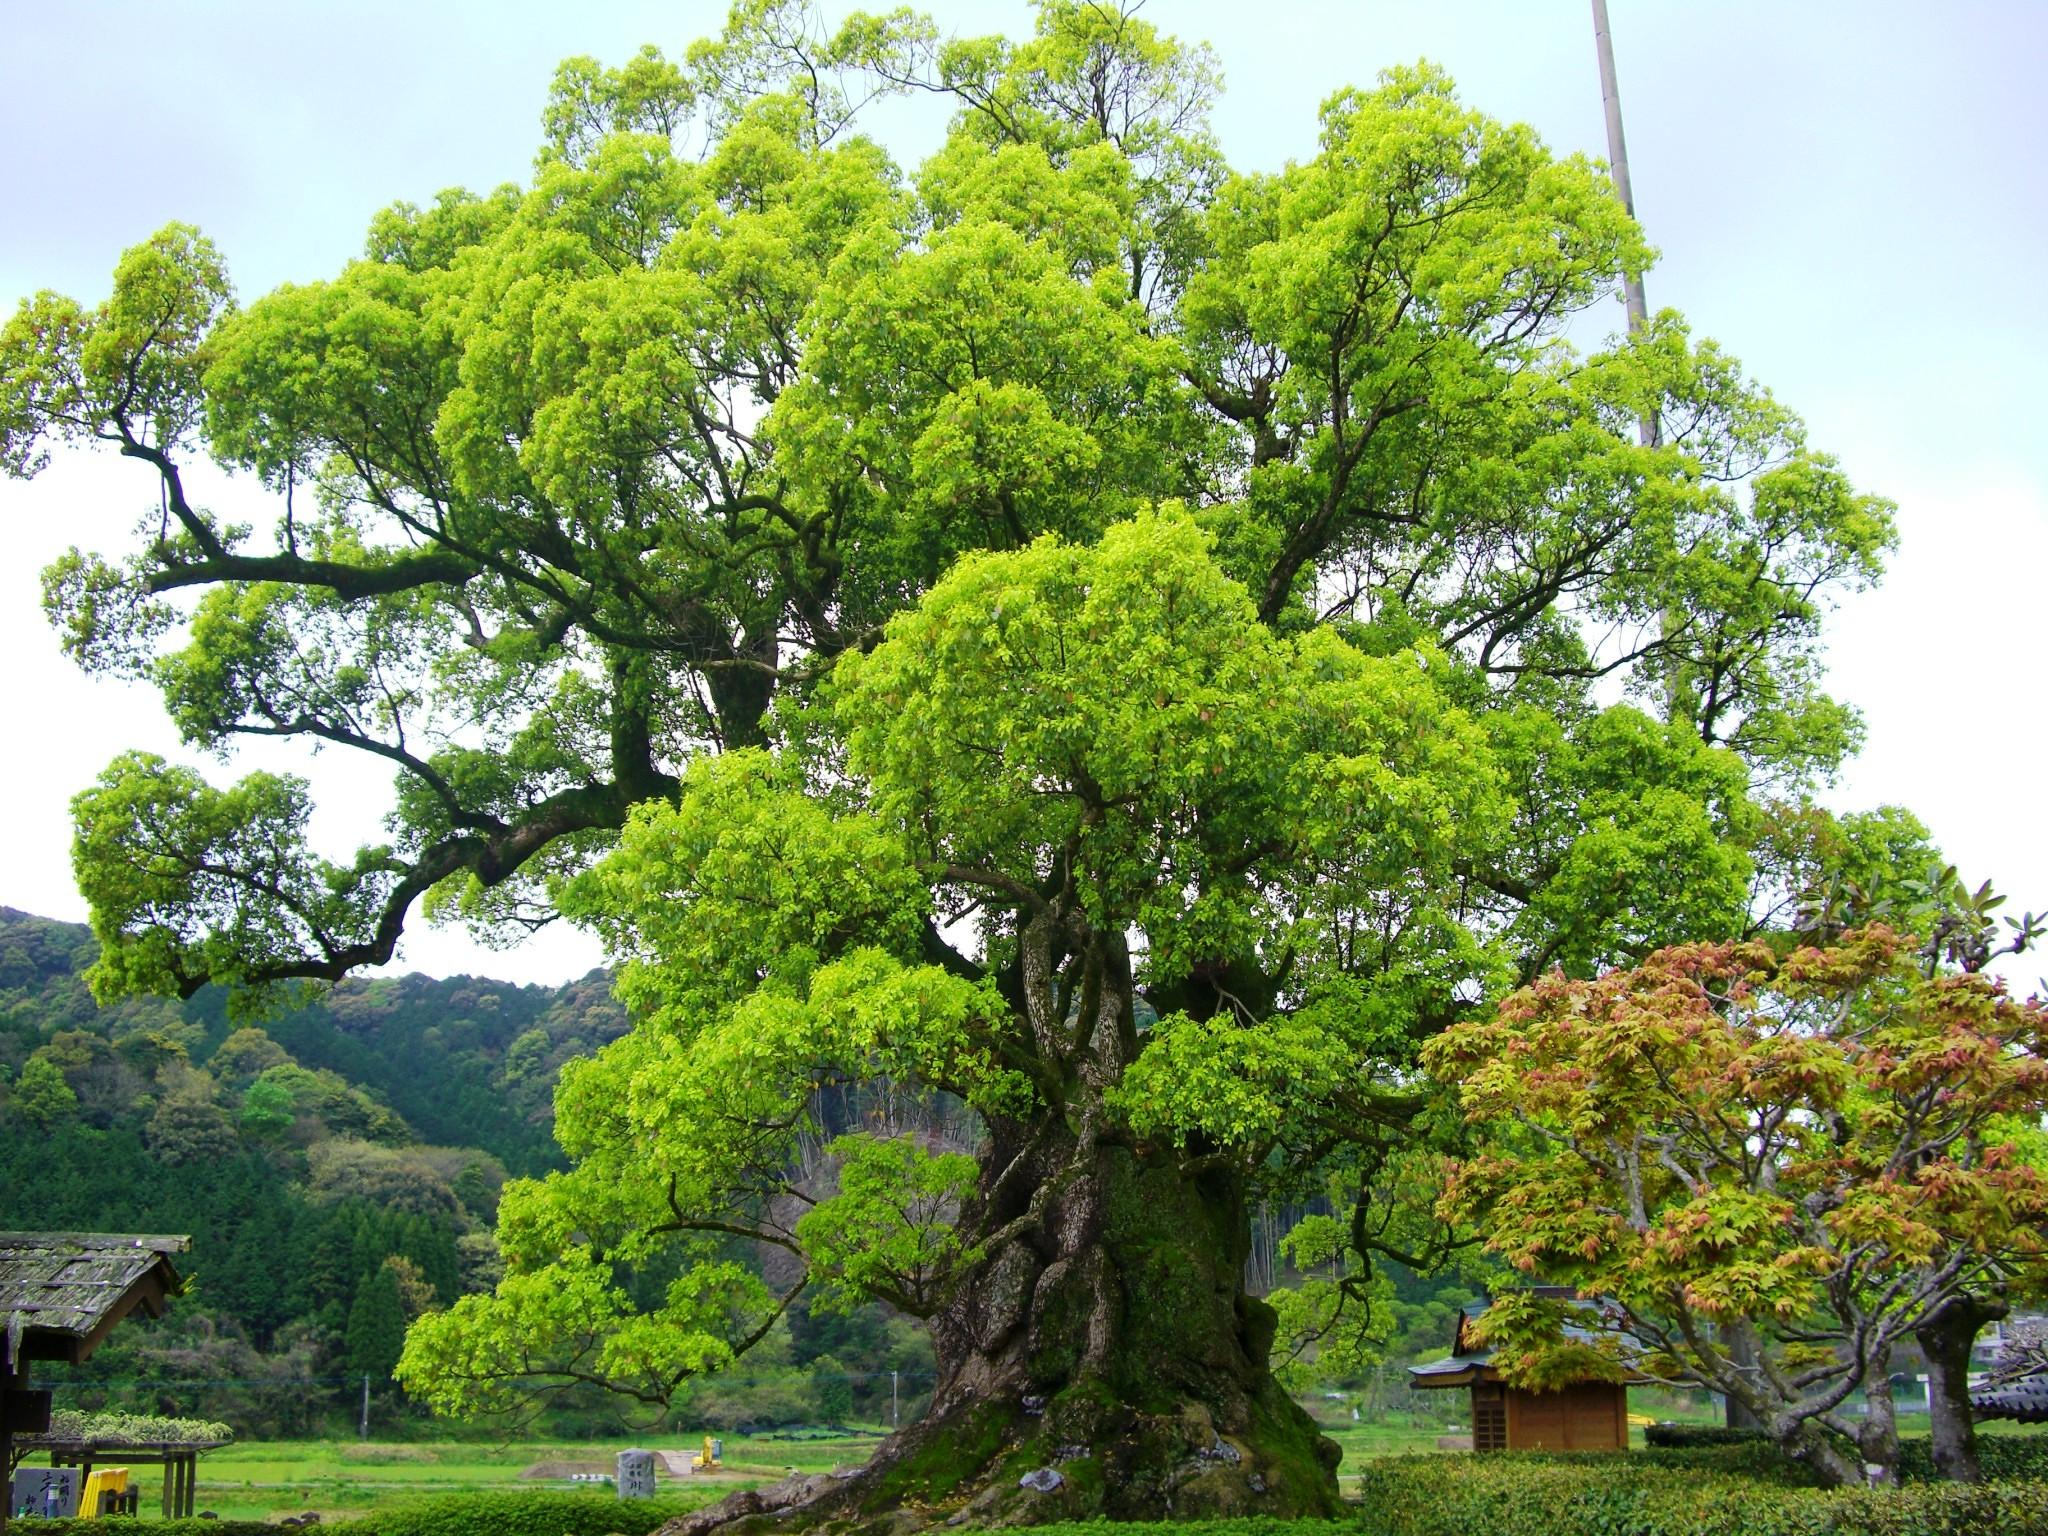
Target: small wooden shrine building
pixel 1583 1416
pixel 61 1293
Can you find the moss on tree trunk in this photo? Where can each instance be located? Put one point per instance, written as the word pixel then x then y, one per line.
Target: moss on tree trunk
pixel 1103 1359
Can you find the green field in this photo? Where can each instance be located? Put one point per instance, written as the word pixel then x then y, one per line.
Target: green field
pixel 257 1480
pixel 338 1478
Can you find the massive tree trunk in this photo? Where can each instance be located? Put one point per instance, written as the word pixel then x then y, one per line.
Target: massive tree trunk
pixel 1103 1359
pixel 1946 1339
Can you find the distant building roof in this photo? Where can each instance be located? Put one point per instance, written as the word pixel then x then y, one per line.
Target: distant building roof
pixel 2025 1401
pixel 1453 1371
pixel 60 1292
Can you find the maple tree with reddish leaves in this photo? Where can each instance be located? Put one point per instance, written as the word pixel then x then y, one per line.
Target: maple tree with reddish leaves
pixel 1766 1170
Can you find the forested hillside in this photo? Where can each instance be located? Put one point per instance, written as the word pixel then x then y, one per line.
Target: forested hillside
pixel 337 1167
pixel 463 1061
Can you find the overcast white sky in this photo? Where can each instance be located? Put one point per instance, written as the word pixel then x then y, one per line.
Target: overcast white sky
pixel 1850 196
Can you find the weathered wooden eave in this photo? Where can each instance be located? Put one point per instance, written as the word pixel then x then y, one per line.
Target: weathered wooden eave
pixel 61 1293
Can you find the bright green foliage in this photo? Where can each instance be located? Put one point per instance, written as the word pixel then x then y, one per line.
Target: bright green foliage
pixel 1815 1151
pixel 1346 1324
pixel 889 1232
pixel 267 1108
pixel 129 370
pixel 577 479
pixel 1116 715
pixel 41 1094
pixel 1123 711
pixel 157 840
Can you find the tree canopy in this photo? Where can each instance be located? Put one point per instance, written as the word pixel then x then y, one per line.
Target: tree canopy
pixel 576 480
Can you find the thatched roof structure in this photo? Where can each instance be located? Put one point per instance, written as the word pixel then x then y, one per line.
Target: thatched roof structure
pixel 60 1292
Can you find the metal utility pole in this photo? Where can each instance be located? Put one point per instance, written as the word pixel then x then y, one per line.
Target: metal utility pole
pixel 894 1421
pixel 366 1406
pixel 1617 157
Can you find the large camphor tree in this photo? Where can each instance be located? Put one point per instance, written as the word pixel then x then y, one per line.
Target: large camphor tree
pixel 1131 646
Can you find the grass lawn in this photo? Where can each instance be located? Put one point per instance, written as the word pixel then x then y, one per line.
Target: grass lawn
pixel 258 1479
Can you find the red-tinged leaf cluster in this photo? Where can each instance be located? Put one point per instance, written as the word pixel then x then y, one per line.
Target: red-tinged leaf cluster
pixel 1815 1150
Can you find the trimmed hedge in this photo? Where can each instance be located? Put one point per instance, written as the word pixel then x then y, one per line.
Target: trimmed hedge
pixel 1516 1494
pixel 2004 1458
pixel 1756 1461
pixel 129 1429
pixel 523 1513
pixel 1731 1489
pixel 556 1513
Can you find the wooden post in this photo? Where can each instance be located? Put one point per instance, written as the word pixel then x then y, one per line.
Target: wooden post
pixel 8 1380
pixel 23 1411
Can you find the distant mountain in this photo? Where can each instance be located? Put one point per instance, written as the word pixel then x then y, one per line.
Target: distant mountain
pixel 337 1167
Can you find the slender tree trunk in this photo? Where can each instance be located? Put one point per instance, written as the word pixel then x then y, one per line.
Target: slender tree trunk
pixel 1877 1440
pixel 1946 1340
pixel 1741 1346
pixel 1815 1447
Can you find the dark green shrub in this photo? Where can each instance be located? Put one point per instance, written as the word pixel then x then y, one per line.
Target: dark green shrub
pixel 523 1513
pixel 2004 1458
pixel 556 1513
pixel 1683 1437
